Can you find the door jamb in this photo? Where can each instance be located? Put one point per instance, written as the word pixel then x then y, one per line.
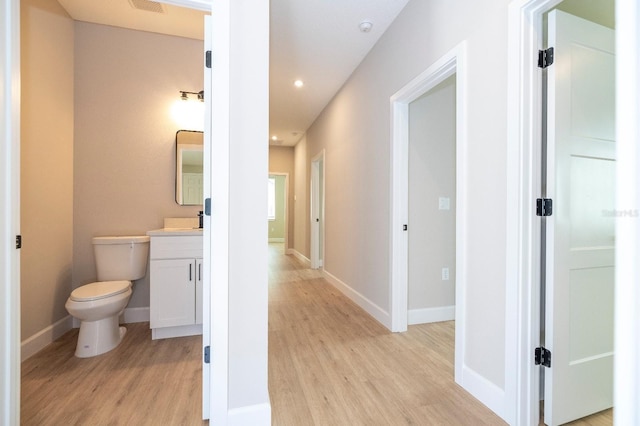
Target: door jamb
pixel 454 62
pixel 524 132
pixel 10 222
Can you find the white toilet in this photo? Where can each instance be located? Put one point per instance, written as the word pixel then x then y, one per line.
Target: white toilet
pixel 119 261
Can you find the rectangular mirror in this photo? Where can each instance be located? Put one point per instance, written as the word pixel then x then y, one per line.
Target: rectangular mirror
pixel 189 156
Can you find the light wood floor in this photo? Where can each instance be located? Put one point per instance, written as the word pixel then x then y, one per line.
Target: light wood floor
pixel 141 382
pixel 329 364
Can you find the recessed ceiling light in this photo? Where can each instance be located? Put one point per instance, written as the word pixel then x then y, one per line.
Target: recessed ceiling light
pixel 298 83
pixel 365 26
pixel 274 138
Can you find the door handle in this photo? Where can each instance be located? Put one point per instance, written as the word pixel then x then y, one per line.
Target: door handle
pixel 190 272
pixel 199 271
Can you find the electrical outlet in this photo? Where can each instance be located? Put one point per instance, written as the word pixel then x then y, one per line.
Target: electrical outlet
pixel 445 274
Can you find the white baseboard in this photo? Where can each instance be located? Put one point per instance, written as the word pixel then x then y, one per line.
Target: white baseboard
pixel 41 339
pixel 371 308
pixel 132 315
pixel 276 240
pixel 428 315
pixel 254 415
pixel 484 391
pixel 301 257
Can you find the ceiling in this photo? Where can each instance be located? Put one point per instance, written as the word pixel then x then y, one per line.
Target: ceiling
pixel 316 41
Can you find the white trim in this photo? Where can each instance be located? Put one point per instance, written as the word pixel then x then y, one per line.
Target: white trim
pixel 485 391
pixel 259 414
pixel 301 257
pixel 522 303
pixel 627 298
pixel 429 315
pixel 10 217
pixel 369 307
pixel 219 222
pixel 177 331
pixel 44 337
pixel 134 315
pixel 451 63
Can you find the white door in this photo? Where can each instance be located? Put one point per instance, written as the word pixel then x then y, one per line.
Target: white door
pixel 205 285
pixel 580 232
pixel 317 211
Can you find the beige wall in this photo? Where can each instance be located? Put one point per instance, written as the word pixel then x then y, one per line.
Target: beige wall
pixel 301 207
pixel 46 164
pixel 281 160
pixel 125 85
pixel 354 129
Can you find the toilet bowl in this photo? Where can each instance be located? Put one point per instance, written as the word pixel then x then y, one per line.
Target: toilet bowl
pixel 98 305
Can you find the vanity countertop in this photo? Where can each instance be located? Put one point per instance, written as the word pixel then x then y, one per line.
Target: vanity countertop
pixel 168 232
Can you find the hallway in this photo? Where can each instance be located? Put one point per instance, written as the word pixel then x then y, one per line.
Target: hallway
pixel 330 363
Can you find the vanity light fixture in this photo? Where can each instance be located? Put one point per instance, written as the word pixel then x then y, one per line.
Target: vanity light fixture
pixel 184 95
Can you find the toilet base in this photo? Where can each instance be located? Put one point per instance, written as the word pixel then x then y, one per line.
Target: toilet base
pixel 98 337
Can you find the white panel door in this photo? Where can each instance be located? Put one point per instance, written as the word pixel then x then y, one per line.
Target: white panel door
pixel 580 233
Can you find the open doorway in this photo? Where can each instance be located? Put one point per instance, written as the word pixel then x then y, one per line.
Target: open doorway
pixel 278 207
pixel 432 196
pixel 317 211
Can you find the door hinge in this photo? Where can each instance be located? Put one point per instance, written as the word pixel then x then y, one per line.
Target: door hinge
pixel 207 206
pixel 545 58
pixel 543 356
pixel 18 241
pixel 544 207
pixel 207 59
pixel 207 355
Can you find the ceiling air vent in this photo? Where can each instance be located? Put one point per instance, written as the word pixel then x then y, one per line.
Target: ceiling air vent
pixel 149 6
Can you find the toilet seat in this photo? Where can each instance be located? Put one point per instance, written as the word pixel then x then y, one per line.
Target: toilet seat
pixel 99 290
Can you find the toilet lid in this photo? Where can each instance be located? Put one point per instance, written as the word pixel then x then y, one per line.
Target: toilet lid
pixel 99 290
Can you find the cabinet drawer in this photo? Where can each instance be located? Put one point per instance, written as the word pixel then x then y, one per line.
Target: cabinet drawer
pixel 175 247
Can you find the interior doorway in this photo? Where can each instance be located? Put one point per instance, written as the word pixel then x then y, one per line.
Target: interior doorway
pixel 317 211
pixel 450 68
pixel 278 208
pixel 432 205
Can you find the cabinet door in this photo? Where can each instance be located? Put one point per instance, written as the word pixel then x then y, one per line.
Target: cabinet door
pixel 198 299
pixel 173 283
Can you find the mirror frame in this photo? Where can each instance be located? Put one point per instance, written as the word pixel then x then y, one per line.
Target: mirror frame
pixel 186 140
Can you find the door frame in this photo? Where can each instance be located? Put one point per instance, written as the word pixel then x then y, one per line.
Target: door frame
pixel 523 186
pixel 452 63
pixel 10 217
pixel 286 207
pixel 317 210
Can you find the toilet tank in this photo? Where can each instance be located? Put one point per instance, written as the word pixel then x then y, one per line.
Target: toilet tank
pixel 121 258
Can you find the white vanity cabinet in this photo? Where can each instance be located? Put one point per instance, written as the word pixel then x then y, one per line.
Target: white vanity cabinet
pixel 175 283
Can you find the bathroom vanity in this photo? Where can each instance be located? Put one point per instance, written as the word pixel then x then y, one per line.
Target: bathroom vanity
pixel 175 282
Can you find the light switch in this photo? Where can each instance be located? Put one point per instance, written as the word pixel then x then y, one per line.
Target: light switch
pixel 444 203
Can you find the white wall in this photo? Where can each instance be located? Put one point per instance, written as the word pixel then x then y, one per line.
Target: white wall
pixel 354 130
pixel 432 174
pixel 248 396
